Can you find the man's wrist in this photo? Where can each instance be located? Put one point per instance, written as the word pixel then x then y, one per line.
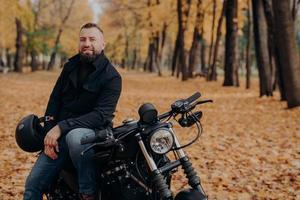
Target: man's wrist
pixel 63 126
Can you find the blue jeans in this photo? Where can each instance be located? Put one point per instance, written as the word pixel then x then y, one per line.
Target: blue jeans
pixel 45 170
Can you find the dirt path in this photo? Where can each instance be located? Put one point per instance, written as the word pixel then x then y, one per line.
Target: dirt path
pixel 250 148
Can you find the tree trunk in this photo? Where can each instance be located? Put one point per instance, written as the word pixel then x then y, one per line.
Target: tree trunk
pixel 271 46
pixel 295 8
pixel 134 59
pixel 182 64
pixel 213 69
pixel 153 50
pixel 34 61
pixel 183 14
pixel 54 51
pixel 123 63
pixel 230 67
pixel 274 50
pixel 151 54
pixel 203 55
pixel 19 46
pixel 194 53
pixel 152 59
pixel 53 54
pixel 248 48
pixel 126 52
pixel 179 52
pixel 288 52
pixel 195 48
pixel 162 45
pixel 156 53
pixel 8 58
pixel 175 55
pixel 212 34
pixel 261 48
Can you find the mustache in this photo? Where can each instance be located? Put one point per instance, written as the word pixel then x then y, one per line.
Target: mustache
pixel 87 48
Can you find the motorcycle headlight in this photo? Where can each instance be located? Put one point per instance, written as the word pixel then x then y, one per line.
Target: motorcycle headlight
pixel 161 141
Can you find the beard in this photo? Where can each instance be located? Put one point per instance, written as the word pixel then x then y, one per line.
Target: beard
pixel 88 58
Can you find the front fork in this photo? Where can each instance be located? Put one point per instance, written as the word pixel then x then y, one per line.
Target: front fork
pixel 157 177
pixel 191 174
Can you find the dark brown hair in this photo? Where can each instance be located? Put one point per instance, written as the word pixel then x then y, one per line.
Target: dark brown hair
pixel 91 25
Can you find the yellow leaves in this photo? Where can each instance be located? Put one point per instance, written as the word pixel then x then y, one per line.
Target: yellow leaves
pixel 8 10
pixel 81 14
pixel 50 14
pixel 119 17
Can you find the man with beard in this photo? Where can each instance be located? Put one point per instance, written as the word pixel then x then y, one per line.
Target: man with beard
pixel 83 101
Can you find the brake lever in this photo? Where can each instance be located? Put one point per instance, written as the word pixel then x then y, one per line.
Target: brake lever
pixel 198 103
pixel 204 101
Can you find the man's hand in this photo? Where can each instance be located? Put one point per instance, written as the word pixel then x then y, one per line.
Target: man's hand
pixel 51 143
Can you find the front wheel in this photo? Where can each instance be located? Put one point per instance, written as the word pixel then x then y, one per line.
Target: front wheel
pixel 190 194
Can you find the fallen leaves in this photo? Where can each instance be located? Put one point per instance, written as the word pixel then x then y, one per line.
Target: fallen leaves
pixel 250 147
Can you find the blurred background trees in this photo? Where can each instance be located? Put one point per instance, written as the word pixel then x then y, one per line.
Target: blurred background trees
pixel 229 39
pixel 33 32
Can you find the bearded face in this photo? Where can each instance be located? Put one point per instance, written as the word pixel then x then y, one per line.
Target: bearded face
pixel 91 44
pixel 88 55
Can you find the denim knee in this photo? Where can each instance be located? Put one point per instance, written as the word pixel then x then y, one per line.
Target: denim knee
pixel 73 138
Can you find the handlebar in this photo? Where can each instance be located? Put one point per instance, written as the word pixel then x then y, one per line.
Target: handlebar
pixel 193 98
pixel 183 106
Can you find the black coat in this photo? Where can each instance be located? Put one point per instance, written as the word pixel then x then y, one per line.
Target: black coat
pixel 88 106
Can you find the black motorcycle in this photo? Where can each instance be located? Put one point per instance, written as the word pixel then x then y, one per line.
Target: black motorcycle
pixel 133 161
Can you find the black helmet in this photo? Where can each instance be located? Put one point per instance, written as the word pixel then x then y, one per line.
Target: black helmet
pixel 190 194
pixel 29 134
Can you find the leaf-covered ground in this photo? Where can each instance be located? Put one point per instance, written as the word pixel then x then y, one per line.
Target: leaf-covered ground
pixel 250 148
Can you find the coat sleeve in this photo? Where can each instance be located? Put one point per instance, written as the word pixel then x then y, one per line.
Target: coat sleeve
pixel 102 114
pixel 54 103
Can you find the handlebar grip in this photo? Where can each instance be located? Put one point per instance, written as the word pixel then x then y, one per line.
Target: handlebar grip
pixel 193 98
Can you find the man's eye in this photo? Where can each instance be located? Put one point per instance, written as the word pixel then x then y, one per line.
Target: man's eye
pixel 92 39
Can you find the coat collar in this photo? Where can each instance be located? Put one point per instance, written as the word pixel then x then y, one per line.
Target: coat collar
pixel 100 63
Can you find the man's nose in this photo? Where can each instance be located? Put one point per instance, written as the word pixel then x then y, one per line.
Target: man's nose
pixel 87 43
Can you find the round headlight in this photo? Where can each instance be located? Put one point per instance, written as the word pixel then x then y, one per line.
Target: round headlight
pixel 161 141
